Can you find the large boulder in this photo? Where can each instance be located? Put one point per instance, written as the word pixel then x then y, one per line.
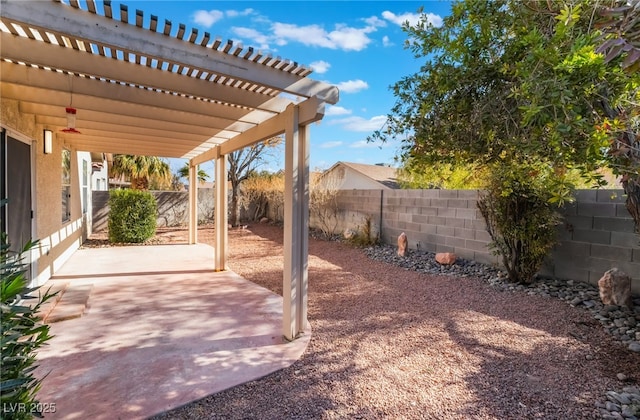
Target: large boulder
pixel 446 258
pixel 615 288
pixel 402 244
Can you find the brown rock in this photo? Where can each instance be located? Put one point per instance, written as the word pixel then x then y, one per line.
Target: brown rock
pixel 349 234
pixel 402 244
pixel 446 258
pixel 615 288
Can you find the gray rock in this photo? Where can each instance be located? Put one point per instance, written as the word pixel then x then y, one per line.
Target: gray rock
pixel 589 303
pixel 619 321
pixel 618 398
pixel 611 407
pixel 628 412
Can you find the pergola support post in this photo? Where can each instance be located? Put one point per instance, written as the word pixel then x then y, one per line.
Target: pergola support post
pixel 221 206
pixel 193 203
pixel 296 227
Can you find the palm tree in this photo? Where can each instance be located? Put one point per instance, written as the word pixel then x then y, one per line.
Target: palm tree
pixel 183 172
pixel 139 169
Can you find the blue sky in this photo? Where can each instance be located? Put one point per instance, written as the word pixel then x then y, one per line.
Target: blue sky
pixel 355 45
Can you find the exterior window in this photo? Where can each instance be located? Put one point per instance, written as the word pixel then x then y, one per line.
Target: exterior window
pixel 66 185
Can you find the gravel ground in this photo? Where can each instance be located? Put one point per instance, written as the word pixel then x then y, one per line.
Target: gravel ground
pixel 394 342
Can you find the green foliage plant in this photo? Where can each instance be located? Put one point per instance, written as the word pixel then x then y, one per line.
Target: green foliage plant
pixel 183 172
pixel 23 334
pixel 507 83
pixel 141 170
pixel 448 176
pixel 521 217
pixel 132 216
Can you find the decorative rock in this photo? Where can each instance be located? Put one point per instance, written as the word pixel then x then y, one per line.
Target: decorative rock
pixel 348 233
pixel 611 406
pixel 264 220
pixel 615 288
pixel 446 258
pixel 621 377
pixel 402 244
pixel 579 293
pixel 628 412
pixel 616 398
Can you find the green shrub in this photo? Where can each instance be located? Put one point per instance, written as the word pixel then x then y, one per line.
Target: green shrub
pixel 22 335
pixel 520 209
pixel 415 175
pixel 132 216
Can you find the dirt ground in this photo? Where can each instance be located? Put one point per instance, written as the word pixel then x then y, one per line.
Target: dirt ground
pixel 390 343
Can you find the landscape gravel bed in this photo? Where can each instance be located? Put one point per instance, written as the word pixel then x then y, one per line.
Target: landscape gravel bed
pixel 398 341
pixel 621 322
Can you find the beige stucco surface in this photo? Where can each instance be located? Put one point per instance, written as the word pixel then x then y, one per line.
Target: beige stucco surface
pixel 57 239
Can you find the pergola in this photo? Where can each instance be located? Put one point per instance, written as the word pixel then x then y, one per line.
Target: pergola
pixel 145 87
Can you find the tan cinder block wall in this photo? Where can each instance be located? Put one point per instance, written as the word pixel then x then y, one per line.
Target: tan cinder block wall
pixel 57 240
pixel 597 234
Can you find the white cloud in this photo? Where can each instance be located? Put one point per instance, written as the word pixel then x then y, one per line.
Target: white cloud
pixel 207 18
pixel 375 21
pixel 412 18
pixel 386 41
pixel 361 124
pixel 236 13
pixel 333 110
pixel 258 38
pixel 331 144
pixel 320 66
pixel 342 38
pixel 353 86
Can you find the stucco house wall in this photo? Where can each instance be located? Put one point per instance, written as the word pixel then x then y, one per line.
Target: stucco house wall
pixel 58 240
pixel 346 176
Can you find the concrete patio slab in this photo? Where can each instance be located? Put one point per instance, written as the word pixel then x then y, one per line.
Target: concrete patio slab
pixel 161 329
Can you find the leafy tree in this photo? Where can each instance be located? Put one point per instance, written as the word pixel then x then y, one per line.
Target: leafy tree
pixel 520 218
pixel 139 169
pixel 183 172
pixel 620 23
pixel 242 164
pixel 508 83
pixel 445 175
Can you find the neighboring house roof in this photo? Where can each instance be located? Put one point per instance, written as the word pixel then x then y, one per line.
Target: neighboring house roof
pixel 385 176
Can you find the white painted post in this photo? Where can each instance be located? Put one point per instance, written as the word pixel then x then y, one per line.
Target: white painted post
pixel 221 223
pixel 291 224
pixel 303 235
pixel 296 195
pixel 193 203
